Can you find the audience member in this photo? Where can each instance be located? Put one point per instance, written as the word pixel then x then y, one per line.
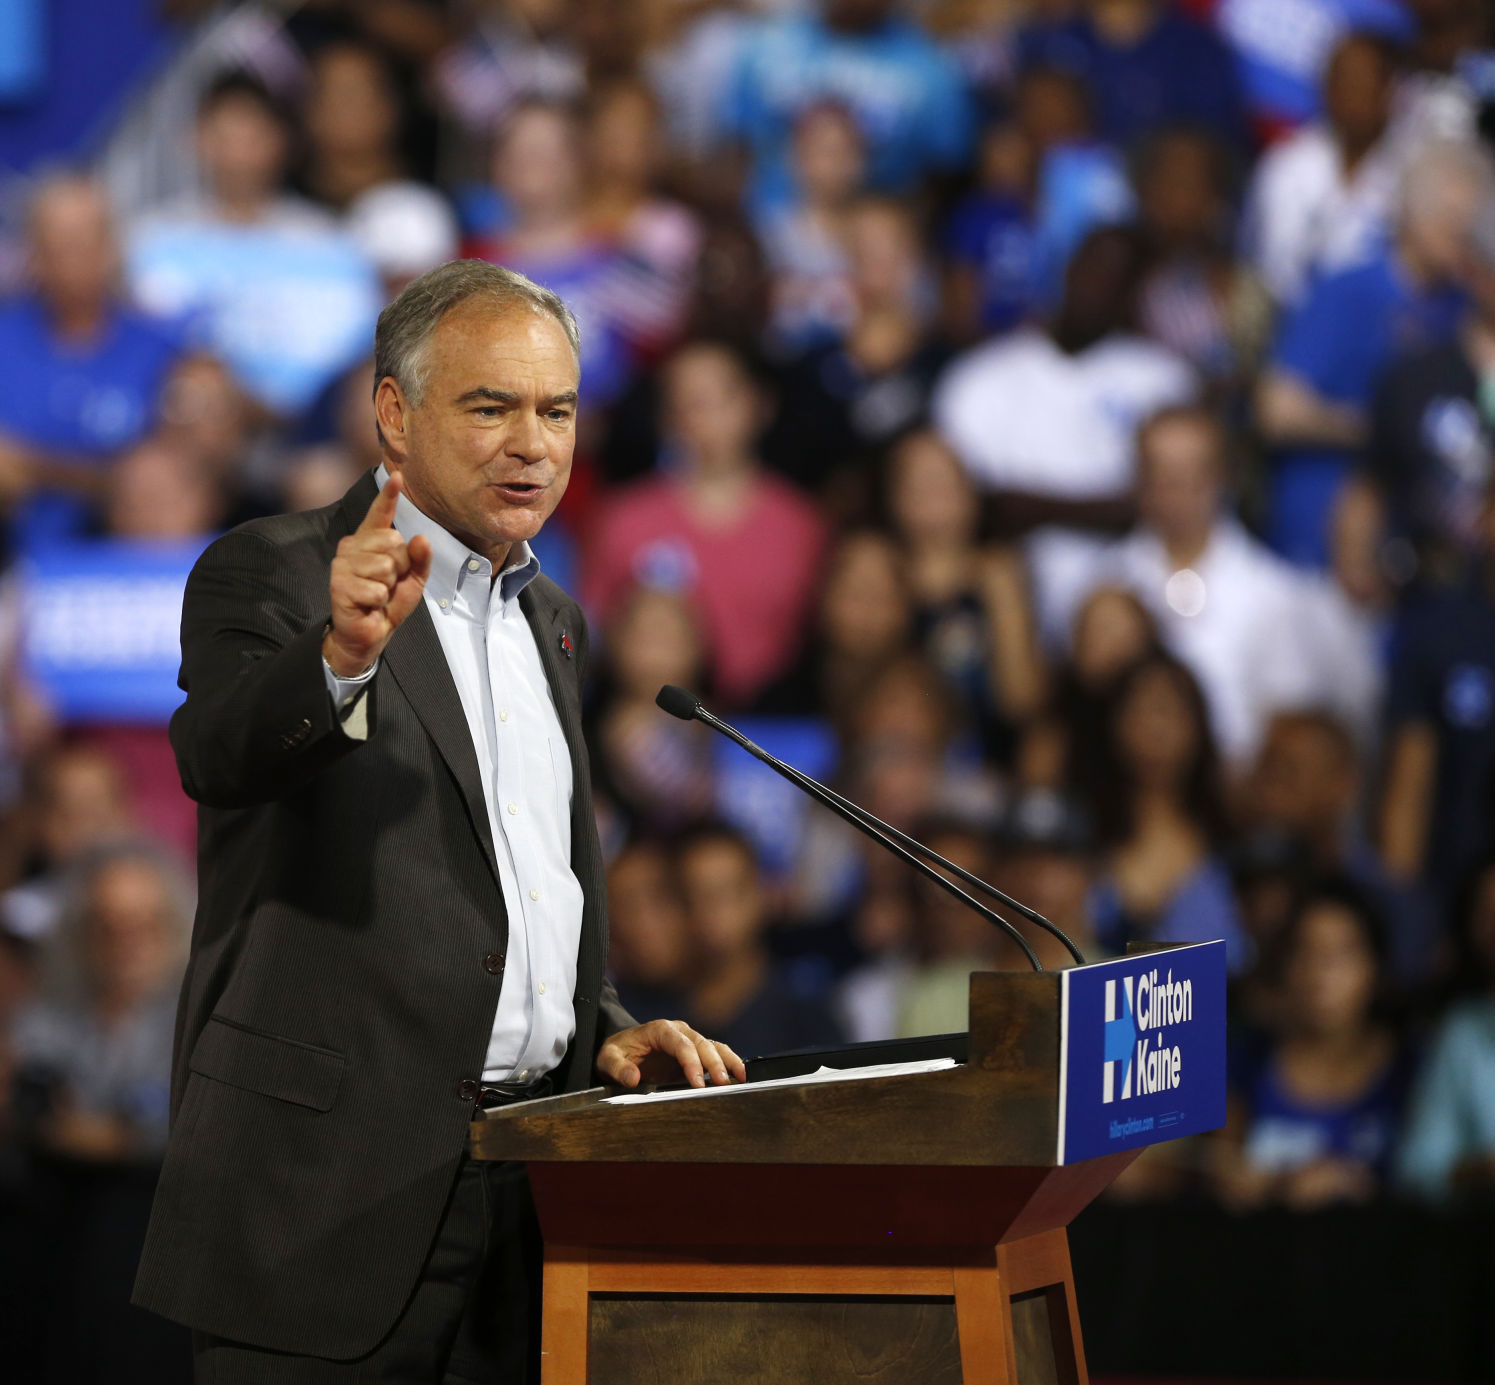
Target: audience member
pixel 540 175
pixel 908 98
pixel 1437 813
pixel 1323 200
pixel 658 770
pixel 805 240
pixel 1306 788
pixel 735 990
pixel 1430 448
pixel 1047 860
pixel 647 957
pixel 75 801
pixel 263 279
pixel 951 939
pixel 863 623
pixel 1282 51
pixel 94 1052
pixel 1195 299
pixel 1160 817
pixel 1223 603
pixel 971 613
pixel 1315 1106
pixel 84 371
pixel 842 401
pixel 1046 419
pixel 658 239
pixel 1062 747
pixel 1448 1147
pixel 1314 397
pixel 744 544
pixel 1147 65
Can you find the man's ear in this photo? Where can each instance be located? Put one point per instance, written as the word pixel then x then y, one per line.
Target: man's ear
pixel 391 412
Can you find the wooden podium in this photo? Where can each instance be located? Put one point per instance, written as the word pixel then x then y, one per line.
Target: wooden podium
pixel 903 1230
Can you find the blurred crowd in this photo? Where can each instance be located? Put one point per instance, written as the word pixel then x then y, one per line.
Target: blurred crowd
pixel 1067 426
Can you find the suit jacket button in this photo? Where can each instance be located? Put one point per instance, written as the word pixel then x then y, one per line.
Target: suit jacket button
pixel 467 1089
pixel 493 963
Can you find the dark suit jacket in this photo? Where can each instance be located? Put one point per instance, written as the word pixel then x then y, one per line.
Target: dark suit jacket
pixel 341 987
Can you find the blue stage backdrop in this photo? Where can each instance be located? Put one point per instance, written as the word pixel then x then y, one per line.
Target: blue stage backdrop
pixel 102 634
pixel 1142 1050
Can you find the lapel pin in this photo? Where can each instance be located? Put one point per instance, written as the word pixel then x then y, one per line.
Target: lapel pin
pixel 567 645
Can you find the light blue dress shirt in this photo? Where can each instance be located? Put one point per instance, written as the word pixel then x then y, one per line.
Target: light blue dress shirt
pixel 527 785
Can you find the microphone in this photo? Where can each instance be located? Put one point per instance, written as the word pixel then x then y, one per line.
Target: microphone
pixel 687 707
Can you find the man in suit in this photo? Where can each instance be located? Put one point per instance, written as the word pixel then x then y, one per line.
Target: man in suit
pixel 401 905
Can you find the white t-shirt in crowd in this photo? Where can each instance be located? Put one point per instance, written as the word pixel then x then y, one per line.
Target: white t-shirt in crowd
pixel 1240 619
pixel 1025 416
pixel 1304 217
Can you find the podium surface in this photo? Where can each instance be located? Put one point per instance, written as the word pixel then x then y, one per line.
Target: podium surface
pixel 898 1228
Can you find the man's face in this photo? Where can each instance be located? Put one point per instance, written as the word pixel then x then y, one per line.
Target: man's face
pixel 72 247
pixel 1179 479
pixel 242 148
pixel 486 452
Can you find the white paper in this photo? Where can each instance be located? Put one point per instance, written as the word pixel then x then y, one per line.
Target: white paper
pixel 809 1078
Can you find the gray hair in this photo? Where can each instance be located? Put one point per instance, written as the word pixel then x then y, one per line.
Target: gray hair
pixel 406 324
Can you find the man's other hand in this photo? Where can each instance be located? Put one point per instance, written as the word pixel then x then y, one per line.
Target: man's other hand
pixel 665 1050
pixel 377 579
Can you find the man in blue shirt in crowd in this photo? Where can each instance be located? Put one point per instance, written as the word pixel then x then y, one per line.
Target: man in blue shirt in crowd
pixel 908 98
pixel 1314 397
pixel 1146 65
pixel 83 372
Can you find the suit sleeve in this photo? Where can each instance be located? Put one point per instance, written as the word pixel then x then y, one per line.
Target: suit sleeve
pixel 258 722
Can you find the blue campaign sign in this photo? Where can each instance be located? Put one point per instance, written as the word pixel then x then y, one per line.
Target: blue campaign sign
pixel 1141 1050
pixel 102 627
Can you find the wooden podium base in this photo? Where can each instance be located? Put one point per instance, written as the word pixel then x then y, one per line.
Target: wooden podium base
pixel 619 1317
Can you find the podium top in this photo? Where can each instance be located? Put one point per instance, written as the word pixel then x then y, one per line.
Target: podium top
pixel 1061 1067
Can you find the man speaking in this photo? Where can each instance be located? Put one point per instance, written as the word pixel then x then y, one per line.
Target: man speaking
pixel 401 910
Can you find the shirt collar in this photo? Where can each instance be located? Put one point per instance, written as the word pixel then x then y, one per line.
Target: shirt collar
pixel 452 562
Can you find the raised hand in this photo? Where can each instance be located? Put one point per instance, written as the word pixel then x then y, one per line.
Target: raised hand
pixel 377 578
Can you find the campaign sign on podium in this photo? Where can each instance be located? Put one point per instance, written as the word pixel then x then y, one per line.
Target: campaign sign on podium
pixel 1141 1050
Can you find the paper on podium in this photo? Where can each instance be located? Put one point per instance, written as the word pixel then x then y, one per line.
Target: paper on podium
pixel 809 1078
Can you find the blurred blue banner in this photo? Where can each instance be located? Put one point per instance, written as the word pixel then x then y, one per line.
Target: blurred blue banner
pixel 1142 1051
pixel 103 627
pixel 757 801
pixel 23 56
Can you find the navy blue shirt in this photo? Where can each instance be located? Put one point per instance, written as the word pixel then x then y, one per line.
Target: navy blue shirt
pixel 1443 675
pixel 1178 73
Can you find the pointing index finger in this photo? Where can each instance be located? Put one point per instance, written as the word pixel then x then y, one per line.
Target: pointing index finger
pixel 381 514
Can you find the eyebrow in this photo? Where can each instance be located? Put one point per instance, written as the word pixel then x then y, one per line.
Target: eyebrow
pixel 487 393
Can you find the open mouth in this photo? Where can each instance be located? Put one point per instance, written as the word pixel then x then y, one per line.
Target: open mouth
pixel 520 492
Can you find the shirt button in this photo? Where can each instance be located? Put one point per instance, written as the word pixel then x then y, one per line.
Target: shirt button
pixel 513 808
pixel 473 565
pixel 443 603
pixel 542 988
pixel 493 963
pixel 467 1089
pixel 503 714
pixel 534 894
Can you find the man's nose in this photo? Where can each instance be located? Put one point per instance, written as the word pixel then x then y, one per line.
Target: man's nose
pixel 525 438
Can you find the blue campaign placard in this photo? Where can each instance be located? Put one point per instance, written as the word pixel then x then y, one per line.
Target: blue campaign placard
pixel 102 624
pixel 1142 1050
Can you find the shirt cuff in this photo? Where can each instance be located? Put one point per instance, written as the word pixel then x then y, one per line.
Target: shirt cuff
pixel 348 699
